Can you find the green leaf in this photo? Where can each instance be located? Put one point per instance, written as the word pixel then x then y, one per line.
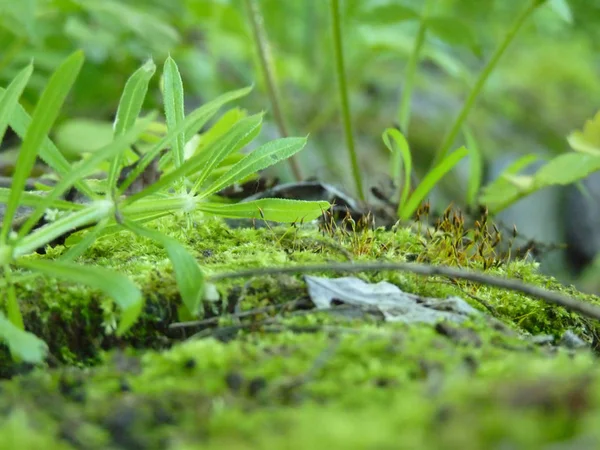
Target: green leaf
pixel 388 14
pixel 454 32
pixel 90 214
pixel 20 122
pixel 45 114
pixel 12 305
pixel 430 180
pixel 76 136
pixel 475 169
pixel 238 136
pixel 128 111
pixel 274 209
pixel 174 108
pixel 588 139
pixel 261 158
pixel 401 158
pixel 500 194
pixel 85 167
pixel 220 127
pixel 188 275
pixel 31 199
pixel 562 9
pixel 10 98
pixel 191 125
pixel 566 169
pixel 22 344
pixel 120 288
pixel 84 243
pixel 508 187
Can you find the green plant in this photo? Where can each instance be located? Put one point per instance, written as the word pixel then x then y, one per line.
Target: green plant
pixel 340 71
pixel 563 169
pixel 188 185
pixel 409 202
pixel 266 64
pixel 508 188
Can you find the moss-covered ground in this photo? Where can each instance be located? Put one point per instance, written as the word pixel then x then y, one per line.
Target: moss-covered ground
pixel 263 370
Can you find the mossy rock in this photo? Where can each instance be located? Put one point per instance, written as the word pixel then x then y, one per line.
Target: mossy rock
pixel 304 379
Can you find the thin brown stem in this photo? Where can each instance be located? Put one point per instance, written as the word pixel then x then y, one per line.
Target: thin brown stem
pixel 554 298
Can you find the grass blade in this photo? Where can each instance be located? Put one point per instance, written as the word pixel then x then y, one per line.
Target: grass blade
pixel 275 209
pixel 45 114
pixel 174 109
pixel 128 111
pixel 188 275
pixel 120 288
pixel 430 180
pixel 261 158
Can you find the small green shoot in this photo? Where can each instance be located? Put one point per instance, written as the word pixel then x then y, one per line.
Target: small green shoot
pixel 409 203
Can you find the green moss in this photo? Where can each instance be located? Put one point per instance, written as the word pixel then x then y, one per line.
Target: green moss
pixel 361 386
pixel 297 381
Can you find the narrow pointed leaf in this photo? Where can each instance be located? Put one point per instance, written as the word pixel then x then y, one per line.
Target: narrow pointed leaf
pixel 31 199
pixel 188 275
pixel 22 344
pixel 261 158
pixel 274 209
pixel 85 168
pixel 401 157
pixel 174 109
pixel 117 286
pixel 92 213
pixel 19 122
pixel 238 136
pixel 430 180
pixel 191 125
pixel 129 109
pixel 45 114
pixel 475 169
pixel 10 98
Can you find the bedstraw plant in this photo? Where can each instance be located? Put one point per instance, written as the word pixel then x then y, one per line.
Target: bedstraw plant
pixel 193 172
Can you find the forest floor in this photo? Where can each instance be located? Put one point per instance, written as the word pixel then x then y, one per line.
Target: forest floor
pixel 266 368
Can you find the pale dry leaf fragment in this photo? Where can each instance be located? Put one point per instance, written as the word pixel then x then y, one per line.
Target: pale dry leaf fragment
pixel 391 301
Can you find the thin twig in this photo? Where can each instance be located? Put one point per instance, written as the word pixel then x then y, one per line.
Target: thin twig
pixel 240 315
pixel 555 298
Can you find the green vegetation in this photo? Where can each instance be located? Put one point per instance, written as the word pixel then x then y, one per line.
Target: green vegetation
pixel 126 320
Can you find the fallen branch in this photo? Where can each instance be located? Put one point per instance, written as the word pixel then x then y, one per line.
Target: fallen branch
pixel 554 298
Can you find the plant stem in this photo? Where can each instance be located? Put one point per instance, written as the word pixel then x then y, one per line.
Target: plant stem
pixel 262 45
pixel 343 92
pixel 411 70
pixel 481 80
pixel 552 297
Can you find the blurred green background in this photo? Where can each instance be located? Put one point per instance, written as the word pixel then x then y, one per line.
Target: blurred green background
pixel 546 85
